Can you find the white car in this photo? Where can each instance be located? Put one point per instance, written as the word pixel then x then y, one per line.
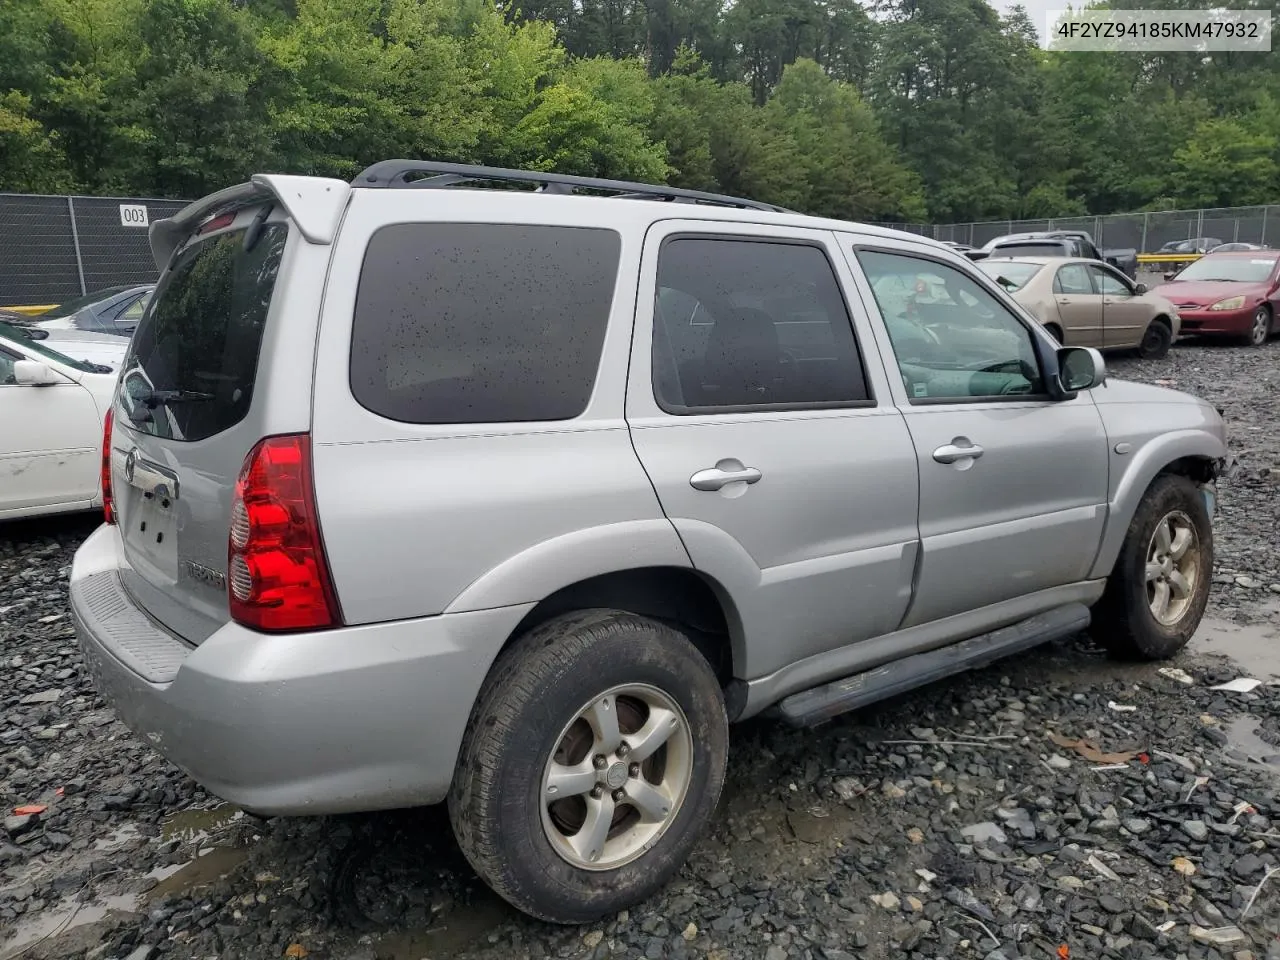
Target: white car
pixel 51 427
pixel 106 349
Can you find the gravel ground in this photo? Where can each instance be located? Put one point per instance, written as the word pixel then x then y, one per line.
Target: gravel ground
pixel 947 823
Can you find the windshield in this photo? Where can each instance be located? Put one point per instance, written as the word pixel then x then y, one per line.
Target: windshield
pixel 1011 276
pixel 71 306
pixel 20 336
pixel 1239 269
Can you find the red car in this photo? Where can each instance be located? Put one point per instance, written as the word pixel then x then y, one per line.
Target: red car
pixel 1235 294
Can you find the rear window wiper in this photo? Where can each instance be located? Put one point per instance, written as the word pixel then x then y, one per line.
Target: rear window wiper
pixel 154 398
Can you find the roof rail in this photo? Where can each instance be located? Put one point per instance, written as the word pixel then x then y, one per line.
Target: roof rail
pixel 396 173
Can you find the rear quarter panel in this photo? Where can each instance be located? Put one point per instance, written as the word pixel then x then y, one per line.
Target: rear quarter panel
pixel 420 518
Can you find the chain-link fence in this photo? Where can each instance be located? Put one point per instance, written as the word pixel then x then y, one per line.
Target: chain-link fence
pixel 1144 232
pixel 56 248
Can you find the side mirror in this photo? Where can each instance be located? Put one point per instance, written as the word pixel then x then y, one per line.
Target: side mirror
pixel 1140 288
pixel 33 373
pixel 1080 368
pixel 1170 274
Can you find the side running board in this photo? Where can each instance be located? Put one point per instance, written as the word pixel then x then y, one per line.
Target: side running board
pixel 810 707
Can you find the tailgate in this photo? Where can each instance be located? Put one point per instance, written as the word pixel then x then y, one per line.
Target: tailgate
pixel 184 417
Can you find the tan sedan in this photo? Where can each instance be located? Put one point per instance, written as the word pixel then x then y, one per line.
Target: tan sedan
pixel 1084 303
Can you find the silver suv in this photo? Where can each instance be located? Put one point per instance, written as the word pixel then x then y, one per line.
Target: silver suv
pixel 418 489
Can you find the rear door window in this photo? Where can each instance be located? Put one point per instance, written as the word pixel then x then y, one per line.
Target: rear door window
pixel 193 360
pixel 481 322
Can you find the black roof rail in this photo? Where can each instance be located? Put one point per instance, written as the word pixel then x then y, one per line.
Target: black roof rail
pixel 396 173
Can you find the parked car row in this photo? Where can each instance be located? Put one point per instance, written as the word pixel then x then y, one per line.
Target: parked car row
pixel 1086 303
pixel 1202 245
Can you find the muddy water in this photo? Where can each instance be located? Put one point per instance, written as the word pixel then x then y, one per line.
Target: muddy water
pixel 61 919
pixel 1254 647
pixel 210 864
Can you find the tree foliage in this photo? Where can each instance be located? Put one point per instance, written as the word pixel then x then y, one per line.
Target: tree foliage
pixel 883 109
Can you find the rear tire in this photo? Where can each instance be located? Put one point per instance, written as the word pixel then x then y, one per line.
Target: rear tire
pixel 1260 327
pixel 1156 340
pixel 1159 587
pixel 547 725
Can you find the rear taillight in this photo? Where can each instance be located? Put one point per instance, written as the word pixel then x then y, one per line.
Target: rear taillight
pixel 277 575
pixel 108 506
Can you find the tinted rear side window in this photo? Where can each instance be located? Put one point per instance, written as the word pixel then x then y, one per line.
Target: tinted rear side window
pixel 479 323
pixel 194 357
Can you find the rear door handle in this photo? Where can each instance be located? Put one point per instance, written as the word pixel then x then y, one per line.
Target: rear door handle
pixel 723 473
pixel 958 449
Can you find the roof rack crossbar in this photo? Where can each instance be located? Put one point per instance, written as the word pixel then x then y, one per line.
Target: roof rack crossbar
pixel 396 173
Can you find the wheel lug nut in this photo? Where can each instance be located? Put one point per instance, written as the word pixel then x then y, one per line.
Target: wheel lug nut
pixel 634 770
pixel 600 761
pixel 597 792
pixel 623 749
pixel 619 796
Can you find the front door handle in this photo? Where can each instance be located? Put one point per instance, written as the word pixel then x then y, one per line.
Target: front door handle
pixel 723 473
pixel 957 449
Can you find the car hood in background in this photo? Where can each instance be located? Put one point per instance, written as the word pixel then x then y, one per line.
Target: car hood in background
pixel 103 348
pixel 1206 292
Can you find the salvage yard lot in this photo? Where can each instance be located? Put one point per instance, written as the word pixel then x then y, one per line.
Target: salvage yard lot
pixel 942 824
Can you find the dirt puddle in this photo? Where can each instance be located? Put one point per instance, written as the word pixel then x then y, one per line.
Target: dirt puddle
pixel 1255 647
pixel 65 917
pixel 463 928
pixel 210 864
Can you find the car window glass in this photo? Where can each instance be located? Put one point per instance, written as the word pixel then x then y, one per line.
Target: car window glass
pixel 959 340
pixel 481 322
pixel 199 345
pixel 1073 279
pixel 130 316
pixel 7 360
pixel 1108 284
pixel 750 323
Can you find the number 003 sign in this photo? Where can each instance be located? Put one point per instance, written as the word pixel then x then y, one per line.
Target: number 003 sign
pixel 133 215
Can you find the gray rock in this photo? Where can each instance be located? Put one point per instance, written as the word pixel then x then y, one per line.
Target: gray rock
pixel 19 824
pixel 986 832
pixel 44 696
pixel 1137 826
pixel 1197 830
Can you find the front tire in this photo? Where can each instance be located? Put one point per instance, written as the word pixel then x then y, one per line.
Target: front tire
pixel 1159 587
pixel 592 763
pixel 1156 340
pixel 1260 327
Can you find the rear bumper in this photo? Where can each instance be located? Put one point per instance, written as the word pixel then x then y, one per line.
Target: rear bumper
pixel 1229 322
pixel 360 718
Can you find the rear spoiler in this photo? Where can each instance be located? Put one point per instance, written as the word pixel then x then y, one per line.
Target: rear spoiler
pixel 314 204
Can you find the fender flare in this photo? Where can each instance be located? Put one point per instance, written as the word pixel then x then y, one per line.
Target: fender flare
pixel 1151 459
pixel 541 570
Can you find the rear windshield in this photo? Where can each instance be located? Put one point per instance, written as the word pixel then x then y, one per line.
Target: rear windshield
pixel 1043 248
pixel 1011 276
pixel 481 323
pixel 71 306
pixel 191 366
